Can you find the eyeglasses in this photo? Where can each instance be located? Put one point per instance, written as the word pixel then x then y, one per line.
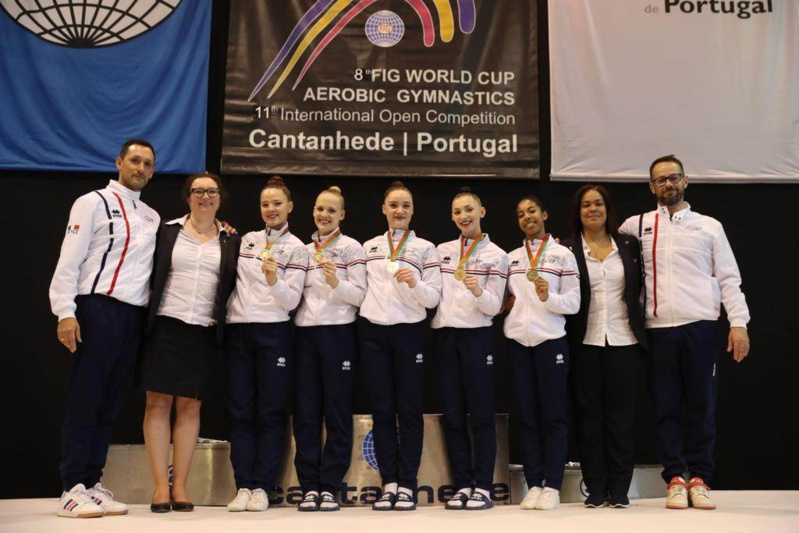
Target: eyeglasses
pixel 674 179
pixel 199 193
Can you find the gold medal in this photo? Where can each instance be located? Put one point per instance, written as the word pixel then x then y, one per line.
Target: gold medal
pixel 392 267
pixel 460 274
pixel 265 254
pixel 318 256
pixel 532 274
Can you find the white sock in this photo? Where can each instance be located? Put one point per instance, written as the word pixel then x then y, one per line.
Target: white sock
pixel 328 505
pixel 306 505
pixel 478 504
pixel 404 505
pixel 456 503
pixel 388 487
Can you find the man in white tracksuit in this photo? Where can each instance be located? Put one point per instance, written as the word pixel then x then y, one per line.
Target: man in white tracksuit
pixel 98 292
pixel 690 271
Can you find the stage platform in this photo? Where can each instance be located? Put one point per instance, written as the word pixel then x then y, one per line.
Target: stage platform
pixel 739 512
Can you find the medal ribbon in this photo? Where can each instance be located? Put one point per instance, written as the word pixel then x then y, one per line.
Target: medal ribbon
pixel 333 236
pixel 398 249
pixel 534 261
pixel 269 245
pixel 465 259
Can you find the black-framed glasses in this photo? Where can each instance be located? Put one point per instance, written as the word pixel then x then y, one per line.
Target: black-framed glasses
pixel 199 193
pixel 674 179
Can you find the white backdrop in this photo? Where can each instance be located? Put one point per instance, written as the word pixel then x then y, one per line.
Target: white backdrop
pixel 632 80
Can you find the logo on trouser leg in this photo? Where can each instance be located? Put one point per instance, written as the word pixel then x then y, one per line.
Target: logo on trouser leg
pixel 419 358
pixel 346 365
pixel 559 359
pixel 281 361
pixel 489 360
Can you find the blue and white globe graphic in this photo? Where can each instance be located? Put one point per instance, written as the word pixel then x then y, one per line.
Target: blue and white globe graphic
pixel 384 28
pixel 88 23
pixel 368 449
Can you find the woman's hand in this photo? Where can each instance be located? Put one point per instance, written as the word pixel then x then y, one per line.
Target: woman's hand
pixel 404 275
pixel 269 268
pixel 541 288
pixel 331 273
pixel 471 283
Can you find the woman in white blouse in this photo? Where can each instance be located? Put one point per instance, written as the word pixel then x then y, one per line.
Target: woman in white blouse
pixel 605 338
pixel 193 276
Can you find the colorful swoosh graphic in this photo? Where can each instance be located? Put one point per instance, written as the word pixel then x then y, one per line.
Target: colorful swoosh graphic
pixel 323 12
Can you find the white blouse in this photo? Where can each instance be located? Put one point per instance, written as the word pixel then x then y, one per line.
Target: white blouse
pixel 608 317
pixel 190 290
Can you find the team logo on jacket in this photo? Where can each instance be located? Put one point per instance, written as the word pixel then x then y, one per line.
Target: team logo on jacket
pixel 116 213
pixel 694 228
pixel 445 260
pixel 490 360
pixel 149 219
pixel 373 250
pixel 346 365
pixel 559 359
pixel 648 230
pixel 281 361
pixel 515 263
pixel 73 230
pixel 419 358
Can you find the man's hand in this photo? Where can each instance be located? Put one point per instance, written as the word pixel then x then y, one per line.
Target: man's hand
pixel 738 343
pixel 69 333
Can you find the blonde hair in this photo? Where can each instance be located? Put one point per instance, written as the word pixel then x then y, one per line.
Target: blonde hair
pixel 336 191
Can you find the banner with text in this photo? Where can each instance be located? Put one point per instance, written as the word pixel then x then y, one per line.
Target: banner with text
pixel 396 87
pixel 714 82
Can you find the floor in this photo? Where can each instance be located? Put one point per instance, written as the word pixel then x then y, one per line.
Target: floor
pixel 738 512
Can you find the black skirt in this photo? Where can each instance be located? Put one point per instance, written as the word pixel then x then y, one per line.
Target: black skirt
pixel 178 357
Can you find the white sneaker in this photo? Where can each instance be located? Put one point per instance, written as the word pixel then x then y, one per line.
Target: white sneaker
pixel 700 494
pixel 105 499
pixel 677 495
pixel 259 501
pixel 549 500
pixel 531 498
pixel 240 502
pixel 77 503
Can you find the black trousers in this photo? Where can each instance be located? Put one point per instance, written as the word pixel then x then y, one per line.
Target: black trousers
pixel 603 384
pixel 258 373
pixel 393 360
pixel 539 374
pixel 326 362
pixel 101 368
pixel 682 382
pixel 465 368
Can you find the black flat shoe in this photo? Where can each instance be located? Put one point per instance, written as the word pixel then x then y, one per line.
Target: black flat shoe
pixel 182 507
pixel 457 502
pixel 407 499
pixel 390 497
pixel 164 507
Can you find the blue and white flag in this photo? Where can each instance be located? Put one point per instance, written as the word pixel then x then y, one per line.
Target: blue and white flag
pixel 79 77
